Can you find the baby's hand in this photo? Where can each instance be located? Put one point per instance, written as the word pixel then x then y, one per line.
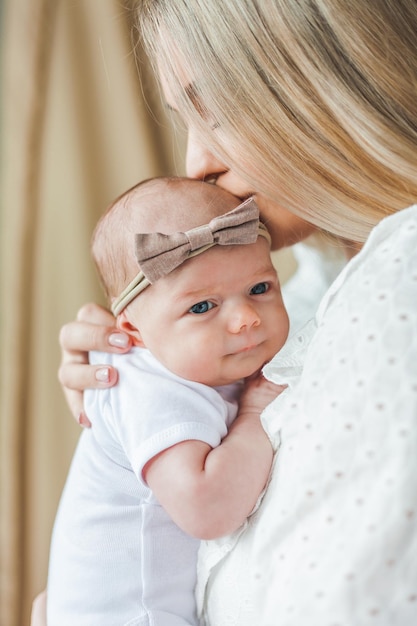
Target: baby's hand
pixel 257 394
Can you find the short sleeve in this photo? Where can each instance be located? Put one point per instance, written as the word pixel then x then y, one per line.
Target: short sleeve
pixel 152 409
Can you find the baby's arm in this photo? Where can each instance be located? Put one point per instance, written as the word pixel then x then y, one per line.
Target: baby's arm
pixel 207 491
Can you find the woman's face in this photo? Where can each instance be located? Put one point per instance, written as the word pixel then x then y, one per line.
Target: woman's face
pixel 285 227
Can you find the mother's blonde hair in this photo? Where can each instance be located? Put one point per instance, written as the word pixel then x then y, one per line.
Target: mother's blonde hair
pixel 315 101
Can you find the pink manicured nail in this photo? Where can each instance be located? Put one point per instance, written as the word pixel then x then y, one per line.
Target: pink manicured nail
pixel 103 375
pixel 118 340
pixel 83 420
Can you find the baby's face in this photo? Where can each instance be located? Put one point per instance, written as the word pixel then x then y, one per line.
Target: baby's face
pixel 216 319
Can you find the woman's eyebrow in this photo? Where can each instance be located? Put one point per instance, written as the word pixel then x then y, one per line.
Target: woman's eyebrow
pixel 192 92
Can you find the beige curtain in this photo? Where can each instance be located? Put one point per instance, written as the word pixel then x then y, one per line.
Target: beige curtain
pixel 76 131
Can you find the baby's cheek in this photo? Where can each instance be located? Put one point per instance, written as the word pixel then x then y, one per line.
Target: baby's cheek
pixel 202 364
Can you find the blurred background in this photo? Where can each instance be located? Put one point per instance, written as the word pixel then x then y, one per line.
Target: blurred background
pixel 81 121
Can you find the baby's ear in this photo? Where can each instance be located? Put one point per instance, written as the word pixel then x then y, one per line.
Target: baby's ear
pixel 124 324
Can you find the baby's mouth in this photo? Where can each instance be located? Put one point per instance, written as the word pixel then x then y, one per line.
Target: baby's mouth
pixel 246 348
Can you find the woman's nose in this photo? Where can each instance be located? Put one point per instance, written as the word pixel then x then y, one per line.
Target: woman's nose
pixel 200 162
pixel 243 317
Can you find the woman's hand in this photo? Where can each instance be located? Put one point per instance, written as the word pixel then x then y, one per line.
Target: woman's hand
pixel 94 329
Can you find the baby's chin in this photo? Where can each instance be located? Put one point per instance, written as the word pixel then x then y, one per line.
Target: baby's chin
pixel 245 370
pixel 233 368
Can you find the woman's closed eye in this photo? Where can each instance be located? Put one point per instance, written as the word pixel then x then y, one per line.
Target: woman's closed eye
pixel 201 307
pixel 259 289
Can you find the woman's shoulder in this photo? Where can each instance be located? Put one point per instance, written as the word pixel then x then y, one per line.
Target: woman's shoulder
pixel 395 233
pixel 386 265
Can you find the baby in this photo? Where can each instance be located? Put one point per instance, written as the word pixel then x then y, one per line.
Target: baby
pixel 176 452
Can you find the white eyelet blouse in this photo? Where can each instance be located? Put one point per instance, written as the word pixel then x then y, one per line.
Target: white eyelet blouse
pixel 334 541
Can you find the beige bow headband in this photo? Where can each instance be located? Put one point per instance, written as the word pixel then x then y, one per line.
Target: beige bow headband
pixel 160 254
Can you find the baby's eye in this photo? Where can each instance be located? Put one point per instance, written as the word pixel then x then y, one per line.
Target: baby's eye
pixel 259 289
pixel 201 307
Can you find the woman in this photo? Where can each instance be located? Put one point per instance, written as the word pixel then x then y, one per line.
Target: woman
pixel 312 105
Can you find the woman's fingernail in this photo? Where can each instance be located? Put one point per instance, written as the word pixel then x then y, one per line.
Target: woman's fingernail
pixel 117 340
pixel 103 375
pixel 83 420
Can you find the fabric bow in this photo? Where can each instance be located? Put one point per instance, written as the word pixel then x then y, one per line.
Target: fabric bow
pixel 159 254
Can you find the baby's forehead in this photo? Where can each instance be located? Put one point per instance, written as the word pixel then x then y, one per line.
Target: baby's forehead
pixel 169 207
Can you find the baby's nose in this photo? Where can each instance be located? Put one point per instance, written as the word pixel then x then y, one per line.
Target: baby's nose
pixel 243 316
